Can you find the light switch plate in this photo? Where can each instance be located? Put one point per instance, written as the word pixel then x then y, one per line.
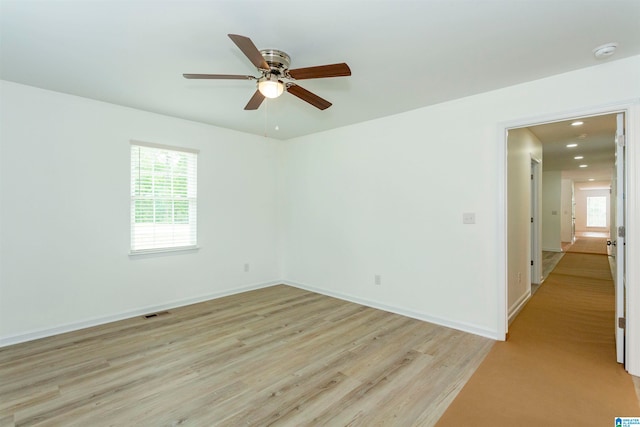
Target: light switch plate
pixel 469 218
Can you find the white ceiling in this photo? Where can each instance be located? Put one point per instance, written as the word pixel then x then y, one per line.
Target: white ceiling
pixel 403 54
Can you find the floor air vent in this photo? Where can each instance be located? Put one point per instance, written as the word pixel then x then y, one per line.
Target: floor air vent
pixel 158 314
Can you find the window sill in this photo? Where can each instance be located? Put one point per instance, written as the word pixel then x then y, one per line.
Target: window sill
pixel 152 253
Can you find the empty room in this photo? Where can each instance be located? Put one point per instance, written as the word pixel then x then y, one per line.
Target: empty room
pixel 319 213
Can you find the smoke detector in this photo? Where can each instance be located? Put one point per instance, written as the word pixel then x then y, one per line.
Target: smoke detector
pixel 605 51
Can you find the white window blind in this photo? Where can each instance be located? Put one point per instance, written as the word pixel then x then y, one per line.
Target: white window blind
pixel 163 198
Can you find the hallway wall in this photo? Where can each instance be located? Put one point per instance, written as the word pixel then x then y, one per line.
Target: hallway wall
pixel 566 208
pixel 522 147
pixel 551 211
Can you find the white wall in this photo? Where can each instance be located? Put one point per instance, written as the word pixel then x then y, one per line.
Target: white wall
pixel 551 211
pixel 566 208
pixel 64 214
pixel 522 148
pixel 591 190
pixel 386 197
pixel 380 199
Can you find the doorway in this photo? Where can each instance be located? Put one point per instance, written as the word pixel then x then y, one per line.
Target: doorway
pixel 548 211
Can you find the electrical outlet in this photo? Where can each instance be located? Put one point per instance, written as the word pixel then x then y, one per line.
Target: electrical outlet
pixel 377 280
pixel 246 267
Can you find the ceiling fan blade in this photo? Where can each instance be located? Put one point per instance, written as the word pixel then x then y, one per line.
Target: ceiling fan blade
pixel 218 76
pixel 320 71
pixel 250 50
pixel 307 96
pixel 255 101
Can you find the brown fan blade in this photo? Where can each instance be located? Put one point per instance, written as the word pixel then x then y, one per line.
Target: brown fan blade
pixel 332 70
pixel 307 96
pixel 255 101
pixel 218 76
pixel 250 50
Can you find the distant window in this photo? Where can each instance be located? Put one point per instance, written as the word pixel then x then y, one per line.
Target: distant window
pixel 163 198
pixel 597 211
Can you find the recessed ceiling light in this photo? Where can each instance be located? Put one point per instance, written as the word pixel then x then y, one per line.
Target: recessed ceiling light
pixel 578 123
pixel 591 179
pixel 583 166
pixel 579 157
pixel 571 145
pixel 605 51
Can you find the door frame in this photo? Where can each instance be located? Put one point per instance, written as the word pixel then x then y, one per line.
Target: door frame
pixel 536 221
pixel 619 251
pixel 631 109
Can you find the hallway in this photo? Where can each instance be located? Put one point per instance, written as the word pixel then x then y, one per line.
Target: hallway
pixel 560 360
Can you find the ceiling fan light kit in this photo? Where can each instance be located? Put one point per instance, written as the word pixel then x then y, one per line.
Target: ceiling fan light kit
pixel 270 87
pixel 276 77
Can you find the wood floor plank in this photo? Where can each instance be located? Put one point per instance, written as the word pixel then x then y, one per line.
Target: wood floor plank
pixel 273 356
pixel 352 408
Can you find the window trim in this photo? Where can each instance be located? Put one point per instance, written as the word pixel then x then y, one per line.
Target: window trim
pixel 163 251
pixel 167 250
pixel 163 146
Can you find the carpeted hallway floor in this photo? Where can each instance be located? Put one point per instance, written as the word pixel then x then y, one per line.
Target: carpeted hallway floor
pixel 589 245
pixel 558 366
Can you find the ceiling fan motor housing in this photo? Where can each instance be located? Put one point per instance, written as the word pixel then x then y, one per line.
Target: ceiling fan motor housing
pixel 278 60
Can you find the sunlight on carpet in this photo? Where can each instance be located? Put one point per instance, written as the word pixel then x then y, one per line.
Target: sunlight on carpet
pixel 589 245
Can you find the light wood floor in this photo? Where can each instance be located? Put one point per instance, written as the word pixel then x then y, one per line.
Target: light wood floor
pixel 275 356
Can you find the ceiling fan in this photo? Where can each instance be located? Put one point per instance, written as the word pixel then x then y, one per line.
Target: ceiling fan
pixel 275 75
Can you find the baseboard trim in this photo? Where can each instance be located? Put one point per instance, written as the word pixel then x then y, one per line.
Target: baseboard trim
pixel 552 249
pixel 518 306
pixel 43 333
pixel 461 326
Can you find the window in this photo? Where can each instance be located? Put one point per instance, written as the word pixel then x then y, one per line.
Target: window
pixel 597 211
pixel 163 198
